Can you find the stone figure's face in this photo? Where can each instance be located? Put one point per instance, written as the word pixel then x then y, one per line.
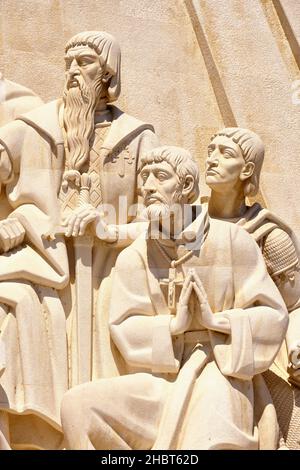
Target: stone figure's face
pixel 224 163
pixel 161 188
pixel 160 183
pixel 82 62
pixel 85 85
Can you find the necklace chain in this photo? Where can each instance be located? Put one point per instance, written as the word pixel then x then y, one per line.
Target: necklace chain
pixel 174 263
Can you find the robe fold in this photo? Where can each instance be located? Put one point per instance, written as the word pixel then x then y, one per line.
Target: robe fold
pixel 43 269
pixel 234 276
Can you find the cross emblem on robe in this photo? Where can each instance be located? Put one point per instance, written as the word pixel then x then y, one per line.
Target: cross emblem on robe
pixel 175 279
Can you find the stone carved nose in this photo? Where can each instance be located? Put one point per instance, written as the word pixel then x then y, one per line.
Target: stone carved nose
pixel 213 158
pixel 74 69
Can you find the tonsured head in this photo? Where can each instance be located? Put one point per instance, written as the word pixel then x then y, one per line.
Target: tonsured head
pixel 169 176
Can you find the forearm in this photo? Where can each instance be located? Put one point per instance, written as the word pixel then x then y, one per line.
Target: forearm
pixel 122 235
pixel 146 342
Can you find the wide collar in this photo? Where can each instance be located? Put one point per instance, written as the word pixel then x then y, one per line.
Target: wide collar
pixel 46 120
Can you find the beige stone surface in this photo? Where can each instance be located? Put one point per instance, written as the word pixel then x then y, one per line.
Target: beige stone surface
pixel 189 68
pixel 250 52
pixel 163 68
pixel 197 319
pixel 245 80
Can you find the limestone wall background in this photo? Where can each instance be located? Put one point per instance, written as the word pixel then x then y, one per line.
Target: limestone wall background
pixel 189 67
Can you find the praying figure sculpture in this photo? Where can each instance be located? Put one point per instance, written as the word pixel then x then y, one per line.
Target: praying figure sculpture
pixel 233 166
pixel 196 318
pixel 69 163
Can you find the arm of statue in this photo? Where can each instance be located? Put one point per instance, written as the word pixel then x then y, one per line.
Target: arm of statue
pixel 182 320
pixel 281 257
pixel 11 230
pixel 282 261
pixel 139 327
pixel 293 346
pixel 121 235
pixel 213 322
pixel 258 317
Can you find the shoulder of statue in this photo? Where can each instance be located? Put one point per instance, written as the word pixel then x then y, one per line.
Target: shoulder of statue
pixel 128 121
pixel 45 120
pixel 134 254
pixel 280 252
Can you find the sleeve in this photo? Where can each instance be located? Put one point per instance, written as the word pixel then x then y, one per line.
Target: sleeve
pixel 33 179
pixel 147 141
pixel 258 319
pixel 282 262
pixel 142 336
pixel 12 139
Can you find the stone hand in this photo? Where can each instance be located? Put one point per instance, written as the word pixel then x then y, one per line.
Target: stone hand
pixel 181 321
pixel 211 321
pixel 294 364
pixel 207 317
pixel 12 234
pixel 295 355
pixel 79 219
pixel 5 165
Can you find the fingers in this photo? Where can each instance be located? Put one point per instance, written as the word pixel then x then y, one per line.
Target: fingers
pixel 69 222
pixel 186 284
pixel 5 238
pixel 184 299
pixel 187 280
pixel 84 222
pixel 11 233
pixel 199 284
pixel 16 232
pixel 78 220
pixel 199 292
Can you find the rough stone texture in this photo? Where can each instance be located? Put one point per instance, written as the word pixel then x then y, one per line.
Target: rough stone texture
pixel 247 79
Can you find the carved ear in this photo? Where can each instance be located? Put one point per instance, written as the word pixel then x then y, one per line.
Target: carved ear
pixel 188 185
pixel 247 171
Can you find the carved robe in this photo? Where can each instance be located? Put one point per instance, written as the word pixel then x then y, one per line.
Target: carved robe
pixel 197 390
pixel 15 99
pixel 43 269
pixel 281 251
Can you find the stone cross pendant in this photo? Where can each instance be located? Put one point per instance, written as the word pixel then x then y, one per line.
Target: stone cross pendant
pixel 175 279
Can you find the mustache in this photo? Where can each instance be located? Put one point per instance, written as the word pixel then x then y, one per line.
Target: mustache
pixel 155 197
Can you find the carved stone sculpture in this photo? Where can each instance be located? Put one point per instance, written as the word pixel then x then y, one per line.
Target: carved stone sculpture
pixel 64 163
pixel 15 99
pixel 196 318
pixel 235 158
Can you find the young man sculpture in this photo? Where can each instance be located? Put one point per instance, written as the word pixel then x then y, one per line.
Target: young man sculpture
pixel 61 162
pixel 197 319
pixel 235 159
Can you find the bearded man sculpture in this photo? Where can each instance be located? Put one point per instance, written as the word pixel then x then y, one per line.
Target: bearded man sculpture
pixel 61 163
pixel 197 319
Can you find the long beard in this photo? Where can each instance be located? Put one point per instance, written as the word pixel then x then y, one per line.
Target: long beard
pixel 79 110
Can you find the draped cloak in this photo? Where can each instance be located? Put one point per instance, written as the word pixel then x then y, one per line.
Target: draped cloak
pixel 37 278
pixel 233 413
